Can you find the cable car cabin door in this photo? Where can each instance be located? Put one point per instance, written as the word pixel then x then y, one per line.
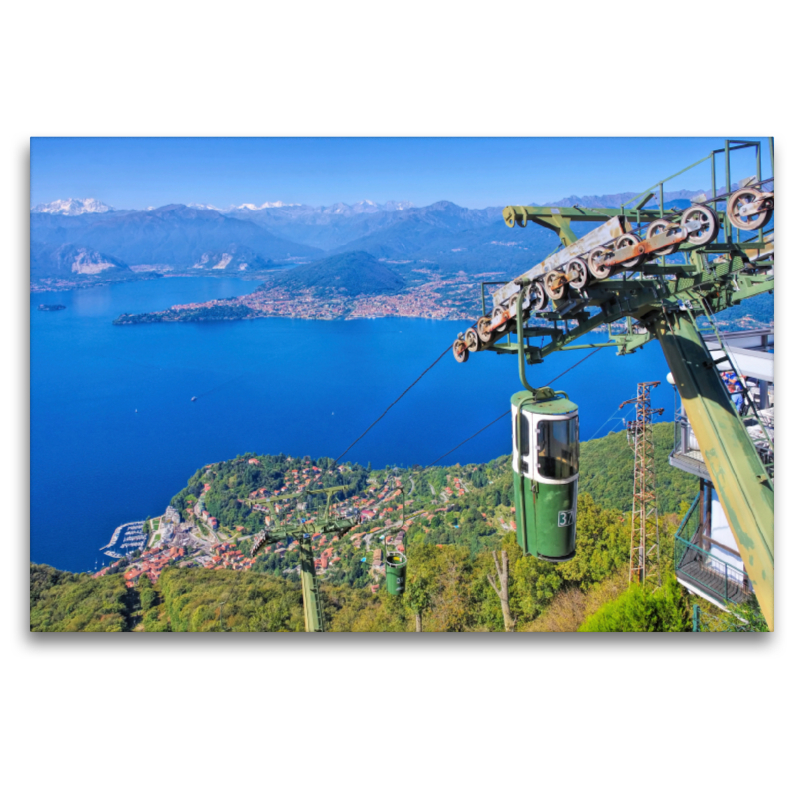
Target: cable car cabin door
pixel 545 464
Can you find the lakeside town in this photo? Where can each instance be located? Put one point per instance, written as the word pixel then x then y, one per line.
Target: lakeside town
pixel 437 297
pixel 440 297
pixel 192 538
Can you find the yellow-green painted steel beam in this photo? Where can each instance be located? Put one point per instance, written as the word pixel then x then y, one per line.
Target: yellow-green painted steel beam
pixel 739 476
pixel 312 606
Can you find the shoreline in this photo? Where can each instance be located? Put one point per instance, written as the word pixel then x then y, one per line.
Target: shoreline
pixel 341 318
pixel 69 286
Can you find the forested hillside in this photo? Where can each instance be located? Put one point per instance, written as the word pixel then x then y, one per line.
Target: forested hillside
pixel 196 600
pixel 66 601
pixel 448 589
pixel 455 521
pixel 607 471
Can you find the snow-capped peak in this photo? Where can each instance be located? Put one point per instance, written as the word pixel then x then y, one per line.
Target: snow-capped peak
pixel 202 207
pixel 367 207
pixel 71 207
pixel 397 205
pixel 276 204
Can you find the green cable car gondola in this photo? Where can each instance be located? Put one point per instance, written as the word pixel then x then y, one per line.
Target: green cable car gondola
pixel 395 573
pixel 395 563
pixel 545 470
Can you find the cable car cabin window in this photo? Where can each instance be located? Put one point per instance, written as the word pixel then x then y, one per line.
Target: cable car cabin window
pixel 524 440
pixel 557 440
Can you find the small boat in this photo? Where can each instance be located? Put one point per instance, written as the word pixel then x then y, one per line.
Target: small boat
pixel 193 399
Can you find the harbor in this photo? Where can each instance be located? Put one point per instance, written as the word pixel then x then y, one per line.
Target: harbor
pixel 126 538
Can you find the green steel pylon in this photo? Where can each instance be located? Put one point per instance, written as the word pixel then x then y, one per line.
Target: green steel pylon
pixel 739 476
pixel 303 533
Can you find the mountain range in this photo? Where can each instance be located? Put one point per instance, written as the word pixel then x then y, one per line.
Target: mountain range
pixel 174 237
pixel 71 208
pixel 88 238
pixel 616 200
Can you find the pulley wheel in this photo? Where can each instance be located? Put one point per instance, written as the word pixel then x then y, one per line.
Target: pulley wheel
pixel 658 227
pixel 747 222
pixel 509 215
pixel 578 273
pixel 472 341
pixel 707 218
pixel 596 261
pixel 511 306
pixel 460 351
pixel 537 296
pixel 482 326
pixel 627 240
pixel 555 284
pixel 498 312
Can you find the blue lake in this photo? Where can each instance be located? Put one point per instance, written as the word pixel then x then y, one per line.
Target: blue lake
pixel 114 433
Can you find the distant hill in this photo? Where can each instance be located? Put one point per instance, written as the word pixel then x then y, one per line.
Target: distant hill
pixel 174 235
pixel 758 311
pixel 70 262
pixel 326 227
pixel 233 259
pixel 456 238
pixel 616 200
pixel 682 198
pixel 350 274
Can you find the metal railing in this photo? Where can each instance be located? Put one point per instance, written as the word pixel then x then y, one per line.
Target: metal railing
pixel 687 529
pixel 731 145
pixel 702 569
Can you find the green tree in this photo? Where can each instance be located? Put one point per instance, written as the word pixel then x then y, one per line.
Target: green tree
pixel 640 608
pixel 452 607
pixel 421 578
pixel 147 594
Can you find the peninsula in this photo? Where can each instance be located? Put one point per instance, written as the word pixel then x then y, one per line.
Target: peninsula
pixel 352 286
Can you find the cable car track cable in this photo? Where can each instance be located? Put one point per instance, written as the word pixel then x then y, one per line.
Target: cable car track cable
pixel 399 398
pixel 506 413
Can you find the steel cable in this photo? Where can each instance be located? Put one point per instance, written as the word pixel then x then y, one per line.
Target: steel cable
pixel 506 413
pixel 624 418
pixel 399 398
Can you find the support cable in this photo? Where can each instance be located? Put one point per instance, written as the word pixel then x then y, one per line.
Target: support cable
pixel 506 413
pixel 624 418
pixel 400 397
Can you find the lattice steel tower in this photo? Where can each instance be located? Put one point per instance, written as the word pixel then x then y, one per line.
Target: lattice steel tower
pixel 645 545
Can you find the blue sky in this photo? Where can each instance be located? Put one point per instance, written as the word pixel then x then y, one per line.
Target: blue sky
pixel 472 172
